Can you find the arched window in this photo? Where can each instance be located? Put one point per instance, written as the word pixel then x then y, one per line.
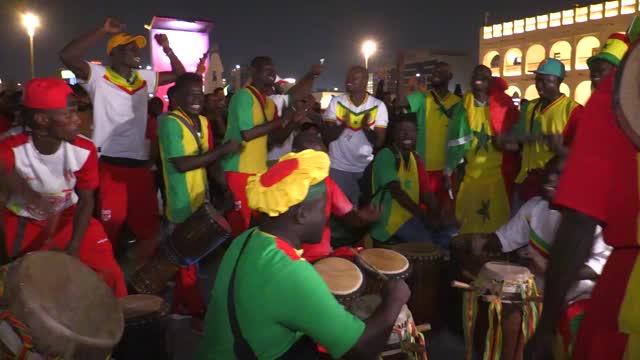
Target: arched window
pixel 531 93
pixel 583 92
pixel 562 51
pixel 492 61
pixel 564 88
pixel 587 47
pixel 535 55
pixel 513 90
pixel 513 63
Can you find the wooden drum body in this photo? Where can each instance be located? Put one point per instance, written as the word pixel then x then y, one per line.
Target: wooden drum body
pixel 403 331
pixel 388 262
pixel 425 281
pixel 344 279
pixel 189 242
pixel 503 303
pixel 68 310
pixel 145 328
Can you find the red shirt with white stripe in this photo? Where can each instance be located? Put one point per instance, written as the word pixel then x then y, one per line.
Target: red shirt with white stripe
pixel 73 165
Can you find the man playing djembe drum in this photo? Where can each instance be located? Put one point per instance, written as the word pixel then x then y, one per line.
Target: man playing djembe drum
pixel 267 300
pixel 59 167
pixel 531 232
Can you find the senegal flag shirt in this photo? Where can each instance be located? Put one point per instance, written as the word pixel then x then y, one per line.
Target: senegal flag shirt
pixel 602 179
pixel 248 109
pixel 185 190
pixel 352 151
pixel 482 203
pixel 279 297
pixel 553 119
pixel 433 122
pixel 389 167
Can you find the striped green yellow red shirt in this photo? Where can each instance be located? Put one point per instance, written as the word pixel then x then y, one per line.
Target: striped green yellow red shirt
pixel 248 109
pixel 185 190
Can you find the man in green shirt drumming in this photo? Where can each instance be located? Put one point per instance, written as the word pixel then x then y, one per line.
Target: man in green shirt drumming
pixel 267 301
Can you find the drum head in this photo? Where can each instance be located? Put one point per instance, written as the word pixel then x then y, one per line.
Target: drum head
pixel 627 93
pixel 64 303
pixel 503 271
pixel 419 250
pixel 386 261
pixel 342 276
pixel 138 306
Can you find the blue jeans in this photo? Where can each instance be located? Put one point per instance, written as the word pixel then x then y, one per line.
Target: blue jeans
pixel 415 231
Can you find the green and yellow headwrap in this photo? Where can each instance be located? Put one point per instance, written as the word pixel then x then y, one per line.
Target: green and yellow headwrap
pixel 295 178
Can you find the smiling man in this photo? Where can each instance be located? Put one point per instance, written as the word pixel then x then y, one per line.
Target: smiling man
pixel 120 95
pixel 546 122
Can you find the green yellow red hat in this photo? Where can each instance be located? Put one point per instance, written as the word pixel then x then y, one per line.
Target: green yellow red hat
pixel 295 178
pixel 124 39
pixel 613 50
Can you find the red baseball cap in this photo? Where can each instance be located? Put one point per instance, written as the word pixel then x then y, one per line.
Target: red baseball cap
pixel 46 94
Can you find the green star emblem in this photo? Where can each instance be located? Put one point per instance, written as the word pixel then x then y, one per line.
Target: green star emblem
pixel 484 210
pixel 407 184
pixel 483 139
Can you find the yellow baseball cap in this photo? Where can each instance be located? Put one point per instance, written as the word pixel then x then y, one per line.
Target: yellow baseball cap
pixel 123 39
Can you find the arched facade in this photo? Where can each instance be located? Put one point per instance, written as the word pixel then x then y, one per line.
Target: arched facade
pixel 561 50
pixel 512 62
pixel 513 90
pixel 531 93
pixel 586 47
pixel 535 54
pixel 565 89
pixel 583 92
pixel 492 61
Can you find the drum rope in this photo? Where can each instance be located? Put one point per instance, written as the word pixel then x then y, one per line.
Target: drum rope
pixel 493 341
pixel 530 310
pixel 22 330
pixel 470 310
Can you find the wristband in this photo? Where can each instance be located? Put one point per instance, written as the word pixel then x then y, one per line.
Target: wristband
pixel 168 51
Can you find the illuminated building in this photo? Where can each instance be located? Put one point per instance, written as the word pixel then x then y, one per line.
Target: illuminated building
pixel 514 49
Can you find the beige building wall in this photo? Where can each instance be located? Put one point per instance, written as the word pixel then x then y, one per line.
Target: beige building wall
pixel 514 48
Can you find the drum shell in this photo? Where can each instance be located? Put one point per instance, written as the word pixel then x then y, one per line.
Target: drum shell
pixel 512 338
pixel 425 282
pixel 50 337
pixel 153 276
pixel 198 236
pixel 144 337
pixel 346 299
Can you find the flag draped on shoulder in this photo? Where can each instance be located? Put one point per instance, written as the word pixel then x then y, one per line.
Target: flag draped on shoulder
pixel 459 137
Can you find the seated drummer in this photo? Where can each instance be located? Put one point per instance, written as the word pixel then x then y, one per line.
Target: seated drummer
pixel 532 230
pixel 51 206
pixel 337 202
pixel 399 182
pixel 269 301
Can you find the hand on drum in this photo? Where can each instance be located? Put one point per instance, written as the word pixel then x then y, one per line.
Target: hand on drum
pixel 396 291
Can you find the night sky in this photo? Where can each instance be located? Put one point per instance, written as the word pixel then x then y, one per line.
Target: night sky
pixel 294 33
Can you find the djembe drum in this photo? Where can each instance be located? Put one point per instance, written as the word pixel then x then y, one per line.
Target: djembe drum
pixel 468 264
pixel 190 241
pixel 500 311
pixel 627 93
pixel 391 264
pixel 145 319
pixel 54 306
pixel 344 279
pixel 405 341
pixel 425 280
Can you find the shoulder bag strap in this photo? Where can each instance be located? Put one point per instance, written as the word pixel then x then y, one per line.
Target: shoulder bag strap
pixel 241 347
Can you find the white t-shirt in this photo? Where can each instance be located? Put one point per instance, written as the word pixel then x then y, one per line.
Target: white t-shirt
pixel 55 177
pixel 536 219
pixel 352 151
pixel 277 151
pixel 120 113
